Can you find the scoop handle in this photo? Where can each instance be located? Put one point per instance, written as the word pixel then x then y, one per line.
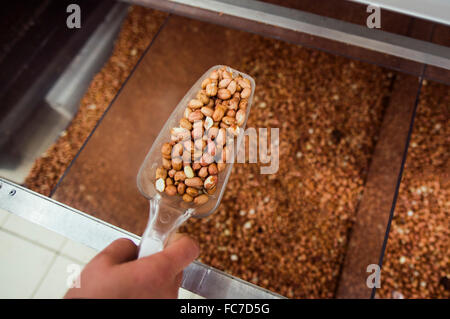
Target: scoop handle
pixel 163 220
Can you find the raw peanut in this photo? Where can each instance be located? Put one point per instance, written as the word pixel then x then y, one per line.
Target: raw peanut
pixel 192 191
pixel 187 198
pixel 179 134
pixel 206 159
pixel 211 89
pixel 196 166
pixel 179 176
pixel 221 166
pixel 208 123
pixel 167 164
pixel 238 87
pixel 223 125
pixel 181 188
pixel 232 87
pixel 240 117
pixel 172 173
pixel 221 137
pixel 228 120
pixel 212 190
pixel 169 181
pixel 218 114
pixel 200 144
pixel 224 83
pixel 244 83
pixel 195 116
pixel 194 182
pixel 233 104
pixel 211 148
pixel 207 111
pixel 160 185
pixel 195 104
pixel 212 169
pixel 177 163
pixel 187 111
pixel 222 106
pixel 189 173
pixel 205 82
pixel 203 172
pixel 177 150
pixel 212 132
pixel 201 199
pixel 223 94
pixel 246 93
pixel 243 104
pixel 214 75
pixel 227 75
pixel 161 173
pixel 231 113
pixel 201 95
pixel 166 150
pixel 220 71
pixel 197 131
pixel 171 190
pixel 210 182
pixel 184 123
pixel 186 158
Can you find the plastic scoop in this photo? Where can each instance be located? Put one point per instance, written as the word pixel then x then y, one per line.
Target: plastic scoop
pixel 167 213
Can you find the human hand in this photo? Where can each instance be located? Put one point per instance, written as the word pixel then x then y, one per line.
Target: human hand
pixel 116 273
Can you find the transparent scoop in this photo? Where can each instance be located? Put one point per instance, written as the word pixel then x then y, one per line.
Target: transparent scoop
pixel 167 213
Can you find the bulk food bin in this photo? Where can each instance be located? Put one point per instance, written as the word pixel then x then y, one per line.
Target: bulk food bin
pixel 311 229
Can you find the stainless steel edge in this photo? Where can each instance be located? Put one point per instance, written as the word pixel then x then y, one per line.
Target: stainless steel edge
pixel 65 95
pixel 316 25
pixel 201 279
pixel 433 10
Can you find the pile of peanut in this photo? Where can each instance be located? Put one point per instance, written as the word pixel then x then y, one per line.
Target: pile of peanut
pixel 199 147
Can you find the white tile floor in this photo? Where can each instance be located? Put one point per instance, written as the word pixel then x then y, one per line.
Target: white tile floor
pixel 35 262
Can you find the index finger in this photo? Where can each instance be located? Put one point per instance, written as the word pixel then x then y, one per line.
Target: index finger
pixel 180 251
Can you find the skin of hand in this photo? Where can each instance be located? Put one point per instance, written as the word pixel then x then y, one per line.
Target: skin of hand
pixel 116 273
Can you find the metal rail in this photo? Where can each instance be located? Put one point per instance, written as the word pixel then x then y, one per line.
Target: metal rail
pixel 312 24
pixel 198 278
pixel 433 10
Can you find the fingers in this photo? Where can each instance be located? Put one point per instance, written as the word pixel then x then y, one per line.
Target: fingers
pixel 181 250
pixel 120 251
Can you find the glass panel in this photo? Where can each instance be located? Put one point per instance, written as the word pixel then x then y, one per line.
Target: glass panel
pixel 287 231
